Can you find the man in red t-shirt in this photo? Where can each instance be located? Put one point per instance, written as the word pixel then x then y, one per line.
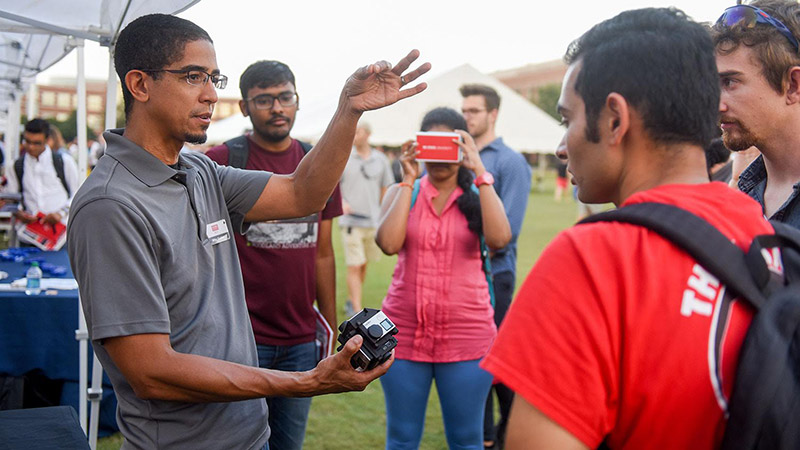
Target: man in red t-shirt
pixel 617 335
pixel 286 264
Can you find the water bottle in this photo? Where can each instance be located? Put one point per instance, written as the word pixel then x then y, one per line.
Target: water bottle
pixel 34 277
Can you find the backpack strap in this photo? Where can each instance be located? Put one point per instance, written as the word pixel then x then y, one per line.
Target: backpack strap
pixel 306 146
pixel 707 245
pixel 58 164
pixel 238 151
pixel 486 260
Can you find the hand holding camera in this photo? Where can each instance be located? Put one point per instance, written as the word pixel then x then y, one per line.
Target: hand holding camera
pixel 472 158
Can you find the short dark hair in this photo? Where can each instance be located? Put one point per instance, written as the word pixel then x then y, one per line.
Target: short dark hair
pixel 487 92
pixel 264 74
pixel 38 126
pixel 662 63
pixel 773 50
pixel 469 203
pixel 152 42
pixel 448 117
pixel 716 152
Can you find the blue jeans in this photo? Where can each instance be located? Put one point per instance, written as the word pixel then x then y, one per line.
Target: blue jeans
pixel 288 416
pixel 462 388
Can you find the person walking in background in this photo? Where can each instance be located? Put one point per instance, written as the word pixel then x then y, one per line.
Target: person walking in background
pixel 615 338
pixel 512 175
pixel 439 298
pixel 47 179
pixel 363 183
pixel 296 253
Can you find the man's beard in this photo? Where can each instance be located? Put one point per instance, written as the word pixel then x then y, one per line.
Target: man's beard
pixel 741 140
pixel 195 138
pixel 274 136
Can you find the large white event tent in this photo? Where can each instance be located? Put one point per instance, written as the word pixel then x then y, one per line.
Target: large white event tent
pixel 523 126
pixel 71 22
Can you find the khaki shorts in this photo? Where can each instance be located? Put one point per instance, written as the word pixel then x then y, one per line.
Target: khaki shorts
pixel 359 246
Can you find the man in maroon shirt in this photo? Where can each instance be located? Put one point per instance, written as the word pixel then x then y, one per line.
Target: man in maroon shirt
pixel 286 264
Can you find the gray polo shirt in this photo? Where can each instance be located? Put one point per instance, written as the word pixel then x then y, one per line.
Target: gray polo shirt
pixel 153 252
pixel 361 186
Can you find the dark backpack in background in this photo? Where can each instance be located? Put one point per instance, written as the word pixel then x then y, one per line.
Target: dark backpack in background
pixel 764 408
pixel 58 164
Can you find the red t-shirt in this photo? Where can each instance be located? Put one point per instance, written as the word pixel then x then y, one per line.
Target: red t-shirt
pixel 613 333
pixel 278 257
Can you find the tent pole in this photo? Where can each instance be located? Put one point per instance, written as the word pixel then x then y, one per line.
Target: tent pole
pixel 111 93
pixel 81 112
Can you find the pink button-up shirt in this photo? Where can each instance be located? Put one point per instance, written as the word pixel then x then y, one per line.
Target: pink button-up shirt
pixel 439 298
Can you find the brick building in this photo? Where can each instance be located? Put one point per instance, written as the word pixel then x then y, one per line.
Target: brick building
pixel 527 80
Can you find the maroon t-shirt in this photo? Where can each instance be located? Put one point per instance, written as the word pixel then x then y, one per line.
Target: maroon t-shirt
pixel 278 257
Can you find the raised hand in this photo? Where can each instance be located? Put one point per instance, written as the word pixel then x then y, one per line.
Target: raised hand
pixel 378 85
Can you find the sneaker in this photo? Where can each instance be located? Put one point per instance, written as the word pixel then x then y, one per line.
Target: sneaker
pixel 348 309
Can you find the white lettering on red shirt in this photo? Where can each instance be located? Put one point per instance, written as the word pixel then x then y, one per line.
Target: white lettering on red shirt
pixel 702 289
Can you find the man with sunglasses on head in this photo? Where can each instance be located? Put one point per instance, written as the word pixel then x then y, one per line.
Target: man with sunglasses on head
pixel 296 253
pixel 150 244
pixel 616 338
pixel 759 69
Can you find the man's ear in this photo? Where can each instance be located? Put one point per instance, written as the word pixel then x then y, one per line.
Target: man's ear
pixel 243 108
pixel 138 85
pixel 618 119
pixel 793 88
pixel 493 116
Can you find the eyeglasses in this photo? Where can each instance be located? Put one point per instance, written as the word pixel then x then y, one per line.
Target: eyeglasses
pixel 472 111
pixel 34 143
pixel 196 77
pixel 267 101
pixel 749 16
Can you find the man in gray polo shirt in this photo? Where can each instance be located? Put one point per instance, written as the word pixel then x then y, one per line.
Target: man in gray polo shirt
pixel 150 244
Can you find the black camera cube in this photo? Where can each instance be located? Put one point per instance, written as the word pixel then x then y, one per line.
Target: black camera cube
pixel 378 333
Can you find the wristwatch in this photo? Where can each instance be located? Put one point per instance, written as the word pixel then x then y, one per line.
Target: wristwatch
pixel 485 178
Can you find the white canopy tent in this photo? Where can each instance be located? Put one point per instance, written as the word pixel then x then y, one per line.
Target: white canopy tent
pixel 523 126
pixel 74 22
pixel 22 56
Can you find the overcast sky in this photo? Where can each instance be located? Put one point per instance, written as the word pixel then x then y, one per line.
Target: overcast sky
pixel 324 41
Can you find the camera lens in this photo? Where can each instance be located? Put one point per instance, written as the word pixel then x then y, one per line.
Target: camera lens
pixel 375 331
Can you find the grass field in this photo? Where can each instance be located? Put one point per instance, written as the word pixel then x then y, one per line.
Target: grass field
pixel 356 420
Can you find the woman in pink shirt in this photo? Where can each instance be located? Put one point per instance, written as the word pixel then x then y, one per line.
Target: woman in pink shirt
pixel 439 298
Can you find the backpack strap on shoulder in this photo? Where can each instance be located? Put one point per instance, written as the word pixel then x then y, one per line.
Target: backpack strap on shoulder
pixel 238 151
pixel 306 146
pixel 58 164
pixel 707 245
pixel 414 193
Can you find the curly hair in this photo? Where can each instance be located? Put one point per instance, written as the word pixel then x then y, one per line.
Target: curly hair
pixel 774 51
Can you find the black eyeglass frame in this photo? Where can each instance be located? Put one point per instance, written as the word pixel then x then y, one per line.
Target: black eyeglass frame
pixel 295 98
pixel 218 80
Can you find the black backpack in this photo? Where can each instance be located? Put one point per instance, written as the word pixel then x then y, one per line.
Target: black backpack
pixel 764 408
pixel 239 150
pixel 58 164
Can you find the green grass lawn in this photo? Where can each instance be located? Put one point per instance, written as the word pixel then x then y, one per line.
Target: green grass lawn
pixel 357 420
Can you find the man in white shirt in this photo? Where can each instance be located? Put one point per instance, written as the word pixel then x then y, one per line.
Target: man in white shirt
pixel 47 183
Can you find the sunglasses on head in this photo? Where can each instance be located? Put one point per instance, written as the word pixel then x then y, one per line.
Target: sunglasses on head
pixel 749 16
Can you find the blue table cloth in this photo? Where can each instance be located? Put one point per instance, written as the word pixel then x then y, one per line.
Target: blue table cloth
pixel 38 331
